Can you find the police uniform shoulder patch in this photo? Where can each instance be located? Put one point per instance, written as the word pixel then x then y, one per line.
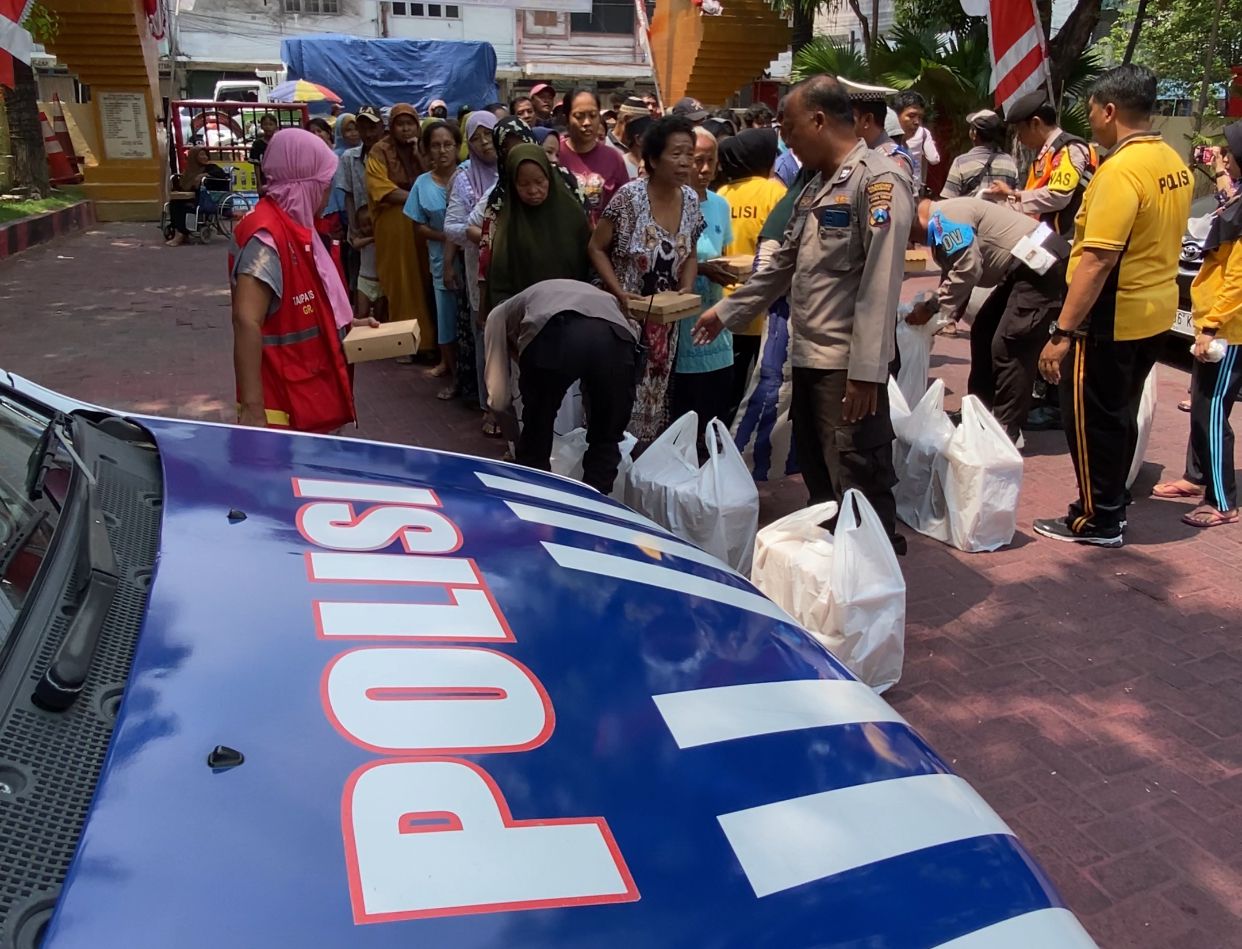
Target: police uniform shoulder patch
pixel 879 203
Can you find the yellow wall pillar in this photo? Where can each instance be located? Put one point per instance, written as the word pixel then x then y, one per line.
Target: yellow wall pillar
pixel 108 45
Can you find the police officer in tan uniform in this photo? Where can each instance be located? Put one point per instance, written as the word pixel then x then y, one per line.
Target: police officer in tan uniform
pixel 870 105
pixel 841 265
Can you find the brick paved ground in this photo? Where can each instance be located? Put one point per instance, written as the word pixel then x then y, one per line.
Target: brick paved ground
pixel 1094 697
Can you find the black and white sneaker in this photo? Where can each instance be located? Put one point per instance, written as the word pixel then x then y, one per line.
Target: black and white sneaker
pixel 1055 528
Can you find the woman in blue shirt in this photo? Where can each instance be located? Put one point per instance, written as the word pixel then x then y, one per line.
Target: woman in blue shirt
pixel 426 205
pixel 703 374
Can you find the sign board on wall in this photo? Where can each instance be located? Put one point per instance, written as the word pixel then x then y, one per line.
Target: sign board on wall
pixel 124 125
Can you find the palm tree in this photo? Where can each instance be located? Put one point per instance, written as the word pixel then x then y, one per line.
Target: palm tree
pixel 825 55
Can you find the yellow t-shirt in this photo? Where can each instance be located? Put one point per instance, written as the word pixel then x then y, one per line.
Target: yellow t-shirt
pixel 1137 203
pixel 751 200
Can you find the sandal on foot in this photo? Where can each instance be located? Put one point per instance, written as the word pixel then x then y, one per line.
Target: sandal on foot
pixel 1184 405
pixel 439 372
pixel 1176 489
pixel 1207 516
pixel 491 429
pixel 448 392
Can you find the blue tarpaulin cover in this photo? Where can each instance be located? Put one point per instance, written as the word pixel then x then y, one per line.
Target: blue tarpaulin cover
pixel 384 71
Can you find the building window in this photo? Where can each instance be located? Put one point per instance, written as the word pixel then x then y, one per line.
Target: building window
pixel 312 6
pixel 427 11
pixel 606 16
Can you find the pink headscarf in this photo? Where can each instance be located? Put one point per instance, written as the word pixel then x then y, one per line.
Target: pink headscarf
pixel 298 167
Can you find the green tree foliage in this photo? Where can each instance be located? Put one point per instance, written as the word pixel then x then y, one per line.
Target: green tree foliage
pixel 1174 38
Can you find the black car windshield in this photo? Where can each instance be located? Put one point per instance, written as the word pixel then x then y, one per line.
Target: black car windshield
pixel 23 542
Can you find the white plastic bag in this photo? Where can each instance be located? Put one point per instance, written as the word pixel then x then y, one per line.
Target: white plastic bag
pixel 567 452
pixel 715 506
pixel 958 485
pixel 914 344
pixel 923 436
pixel 846 590
pixel 571 414
pixel 1146 412
pixel 982 481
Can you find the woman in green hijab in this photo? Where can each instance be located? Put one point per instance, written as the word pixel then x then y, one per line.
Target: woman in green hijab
pixel 541 230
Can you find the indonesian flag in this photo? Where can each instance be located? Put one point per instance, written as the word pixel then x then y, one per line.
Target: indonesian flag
pixel 15 43
pixel 1019 50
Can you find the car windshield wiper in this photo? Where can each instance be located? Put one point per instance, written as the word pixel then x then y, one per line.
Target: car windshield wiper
pixel 66 674
pixel 44 454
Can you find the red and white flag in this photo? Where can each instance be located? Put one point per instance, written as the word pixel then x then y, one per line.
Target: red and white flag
pixel 15 43
pixel 1019 49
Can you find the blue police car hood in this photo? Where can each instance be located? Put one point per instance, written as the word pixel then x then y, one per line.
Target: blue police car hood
pixel 477 706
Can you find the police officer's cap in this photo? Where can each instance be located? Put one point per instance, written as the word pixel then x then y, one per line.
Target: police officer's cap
pixel 860 92
pixel 1026 106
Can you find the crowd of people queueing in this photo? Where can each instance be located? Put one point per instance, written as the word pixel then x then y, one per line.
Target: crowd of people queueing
pixel 543 215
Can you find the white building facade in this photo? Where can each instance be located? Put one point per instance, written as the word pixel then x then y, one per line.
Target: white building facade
pixel 574 41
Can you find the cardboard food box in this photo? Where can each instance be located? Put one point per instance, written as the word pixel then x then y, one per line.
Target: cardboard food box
pixel 918 260
pixel 667 307
pixel 365 343
pixel 741 266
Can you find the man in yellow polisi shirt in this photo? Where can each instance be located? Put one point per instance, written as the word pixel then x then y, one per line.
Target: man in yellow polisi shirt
pixel 1122 297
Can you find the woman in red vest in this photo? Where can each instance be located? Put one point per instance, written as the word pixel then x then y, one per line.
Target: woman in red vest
pixel 290 309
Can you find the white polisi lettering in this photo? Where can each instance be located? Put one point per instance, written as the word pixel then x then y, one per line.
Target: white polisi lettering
pixel 425 835
pixel 392 568
pixel 470 616
pixel 435 838
pixel 359 491
pixel 435 700
pixel 334 524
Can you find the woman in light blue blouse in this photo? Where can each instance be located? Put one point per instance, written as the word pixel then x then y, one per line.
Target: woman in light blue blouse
pixel 704 374
pixel 426 205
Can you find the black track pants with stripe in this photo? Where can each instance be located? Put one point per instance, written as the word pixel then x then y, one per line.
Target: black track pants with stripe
pixel 1214 387
pixel 1101 385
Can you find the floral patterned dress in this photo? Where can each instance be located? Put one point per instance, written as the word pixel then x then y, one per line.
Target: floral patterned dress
pixel 648 259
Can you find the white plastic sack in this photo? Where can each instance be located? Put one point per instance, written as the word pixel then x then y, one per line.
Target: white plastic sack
pixel 959 486
pixel 982 481
pixel 923 436
pixel 571 414
pixel 914 345
pixel 567 452
pixel 846 590
pixel 1146 412
pixel 715 506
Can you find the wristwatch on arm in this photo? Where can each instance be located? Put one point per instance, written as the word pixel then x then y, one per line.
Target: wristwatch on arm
pixel 1057 333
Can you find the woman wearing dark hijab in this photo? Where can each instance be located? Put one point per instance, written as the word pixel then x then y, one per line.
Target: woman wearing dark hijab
pixel 540 231
pixel 508 134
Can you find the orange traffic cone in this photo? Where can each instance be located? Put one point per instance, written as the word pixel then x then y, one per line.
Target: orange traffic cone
pixel 61 128
pixel 60 171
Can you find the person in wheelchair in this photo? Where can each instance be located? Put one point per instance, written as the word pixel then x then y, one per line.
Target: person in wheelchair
pixel 207 180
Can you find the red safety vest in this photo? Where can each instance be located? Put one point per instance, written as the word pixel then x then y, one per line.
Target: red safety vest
pixel 305 381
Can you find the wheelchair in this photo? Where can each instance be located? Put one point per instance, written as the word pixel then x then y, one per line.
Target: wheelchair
pixel 216 213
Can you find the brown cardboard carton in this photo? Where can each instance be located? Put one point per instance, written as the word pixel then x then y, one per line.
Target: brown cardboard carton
pixel 739 265
pixel 666 307
pixel 365 343
pixel 918 260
